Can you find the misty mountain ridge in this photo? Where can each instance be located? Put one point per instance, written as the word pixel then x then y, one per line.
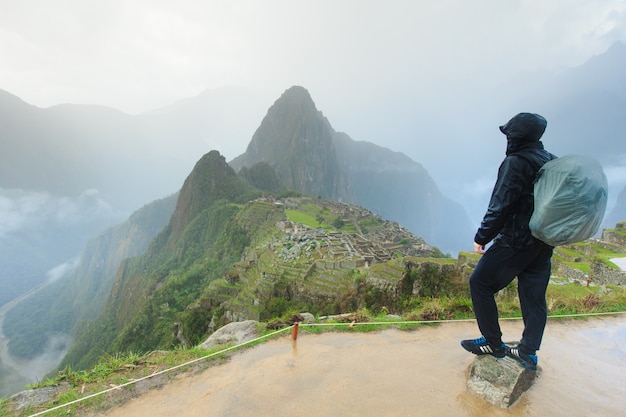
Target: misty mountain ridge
pixel 601 71
pixel 194 248
pixel 41 328
pixel 309 156
pixel 584 106
pixel 228 254
pixel 68 172
pixel 296 140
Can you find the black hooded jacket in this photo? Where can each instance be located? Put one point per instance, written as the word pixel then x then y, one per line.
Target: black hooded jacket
pixel 511 204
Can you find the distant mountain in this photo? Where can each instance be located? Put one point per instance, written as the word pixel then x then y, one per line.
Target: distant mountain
pixel 197 245
pixel 396 187
pixel 67 149
pixel 584 105
pixel 68 172
pixel 297 141
pixel 618 212
pixel 308 156
pixel 39 231
pixel 228 255
pixel 586 109
pixel 44 324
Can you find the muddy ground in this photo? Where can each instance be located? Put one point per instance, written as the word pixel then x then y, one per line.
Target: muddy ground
pixel 399 373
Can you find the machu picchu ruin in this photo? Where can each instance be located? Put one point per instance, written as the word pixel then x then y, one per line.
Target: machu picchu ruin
pixel 315 250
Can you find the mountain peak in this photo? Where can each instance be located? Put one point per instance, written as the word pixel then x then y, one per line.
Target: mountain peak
pixel 10 102
pixel 211 179
pixel 295 100
pixel 617 47
pixel 296 140
pixel 296 93
pixel 613 58
pixel 600 74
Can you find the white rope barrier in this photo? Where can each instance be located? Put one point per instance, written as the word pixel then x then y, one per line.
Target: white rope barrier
pixel 134 381
pixel 294 336
pixel 389 323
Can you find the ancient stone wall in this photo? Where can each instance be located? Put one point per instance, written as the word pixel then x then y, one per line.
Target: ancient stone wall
pixel 572 274
pixel 603 274
pixel 614 236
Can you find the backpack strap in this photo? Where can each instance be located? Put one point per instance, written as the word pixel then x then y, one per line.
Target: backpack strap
pixel 534 161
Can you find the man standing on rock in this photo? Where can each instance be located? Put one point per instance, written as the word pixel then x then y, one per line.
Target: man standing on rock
pixel 514 252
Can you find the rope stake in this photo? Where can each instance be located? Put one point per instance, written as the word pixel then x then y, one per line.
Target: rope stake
pixel 294 331
pixel 294 336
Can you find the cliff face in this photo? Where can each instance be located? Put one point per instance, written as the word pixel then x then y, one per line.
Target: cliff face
pixel 308 156
pixel 211 180
pixel 51 316
pixel 197 244
pixel 83 285
pixel 398 188
pixel 296 140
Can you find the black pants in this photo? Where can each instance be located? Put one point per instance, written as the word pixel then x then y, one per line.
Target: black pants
pixel 495 270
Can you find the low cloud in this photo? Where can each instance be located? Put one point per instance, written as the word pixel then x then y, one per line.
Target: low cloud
pixel 616 175
pixel 23 210
pixel 62 270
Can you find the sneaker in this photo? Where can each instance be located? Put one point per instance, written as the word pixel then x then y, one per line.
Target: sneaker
pixel 480 346
pixel 527 360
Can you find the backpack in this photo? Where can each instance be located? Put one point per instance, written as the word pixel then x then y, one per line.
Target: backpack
pixel 570 196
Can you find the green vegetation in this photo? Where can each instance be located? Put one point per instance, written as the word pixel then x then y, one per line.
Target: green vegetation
pixel 156 298
pixel 262 177
pixel 118 369
pixel 60 306
pixel 29 325
pixel 297 216
pixel 581 256
pixel 229 258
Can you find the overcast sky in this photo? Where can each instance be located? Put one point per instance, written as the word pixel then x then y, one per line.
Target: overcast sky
pixel 137 55
pixel 361 60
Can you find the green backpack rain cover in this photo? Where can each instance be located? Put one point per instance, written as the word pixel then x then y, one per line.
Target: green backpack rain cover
pixel 570 195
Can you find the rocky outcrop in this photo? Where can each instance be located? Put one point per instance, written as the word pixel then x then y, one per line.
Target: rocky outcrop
pixel 34 397
pixel 500 382
pixel 296 140
pixel 234 333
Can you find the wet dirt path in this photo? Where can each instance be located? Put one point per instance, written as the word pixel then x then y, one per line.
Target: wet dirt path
pixel 399 373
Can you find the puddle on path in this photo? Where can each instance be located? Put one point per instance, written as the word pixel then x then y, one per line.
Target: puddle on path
pixel 399 373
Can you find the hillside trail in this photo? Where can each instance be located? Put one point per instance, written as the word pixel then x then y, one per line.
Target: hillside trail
pixel 399 373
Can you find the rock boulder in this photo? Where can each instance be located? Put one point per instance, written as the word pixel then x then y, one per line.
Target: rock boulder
pixel 235 333
pixel 500 382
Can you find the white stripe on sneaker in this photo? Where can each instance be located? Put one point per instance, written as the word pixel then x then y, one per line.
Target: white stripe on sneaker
pixel 486 349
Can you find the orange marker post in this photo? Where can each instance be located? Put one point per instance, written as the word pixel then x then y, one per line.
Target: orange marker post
pixel 294 331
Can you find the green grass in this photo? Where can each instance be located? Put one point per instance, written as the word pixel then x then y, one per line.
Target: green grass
pixel 571 253
pixel 583 263
pixel 118 369
pixel 441 261
pixel 581 266
pixel 297 216
pixel 606 259
pixel 369 224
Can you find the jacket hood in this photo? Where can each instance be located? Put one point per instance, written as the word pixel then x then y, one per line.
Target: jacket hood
pixel 524 130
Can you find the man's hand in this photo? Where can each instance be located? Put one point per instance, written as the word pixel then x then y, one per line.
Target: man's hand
pixel 478 248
